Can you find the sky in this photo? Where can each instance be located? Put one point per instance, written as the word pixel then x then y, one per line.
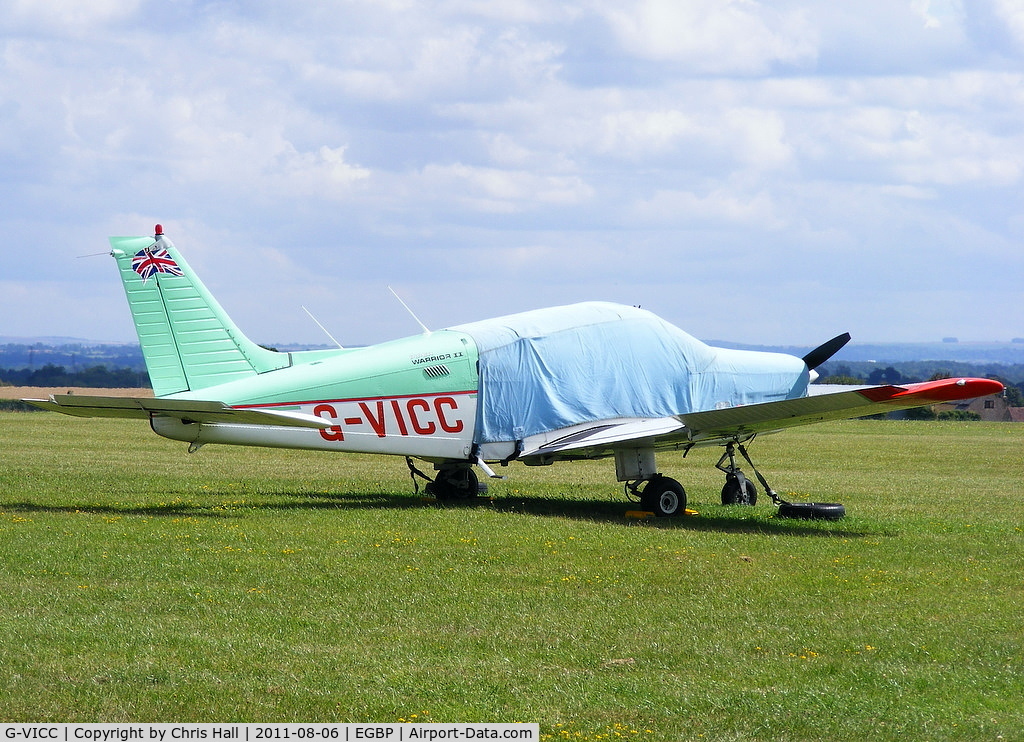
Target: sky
pixel 759 172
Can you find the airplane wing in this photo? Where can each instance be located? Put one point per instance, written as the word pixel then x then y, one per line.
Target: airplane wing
pixel 601 438
pixel 832 405
pixel 740 423
pixel 196 411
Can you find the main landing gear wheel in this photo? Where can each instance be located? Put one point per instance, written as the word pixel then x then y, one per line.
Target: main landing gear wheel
pixel 738 490
pixel 455 483
pixel 663 496
pixel 812 510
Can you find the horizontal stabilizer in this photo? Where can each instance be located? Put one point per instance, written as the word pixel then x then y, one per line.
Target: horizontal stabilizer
pixel 826 350
pixel 187 410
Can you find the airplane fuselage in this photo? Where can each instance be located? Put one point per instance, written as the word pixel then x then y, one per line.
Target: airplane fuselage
pixel 414 397
pixel 493 388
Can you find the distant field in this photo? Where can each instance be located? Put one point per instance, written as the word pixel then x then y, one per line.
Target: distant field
pixel 10 395
pixel 42 392
pixel 141 583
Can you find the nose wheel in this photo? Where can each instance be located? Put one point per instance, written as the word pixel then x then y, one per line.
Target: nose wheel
pixel 738 490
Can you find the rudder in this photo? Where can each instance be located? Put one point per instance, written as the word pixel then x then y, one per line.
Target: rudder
pixel 188 340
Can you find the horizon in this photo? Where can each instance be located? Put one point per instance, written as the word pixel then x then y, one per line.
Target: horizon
pixel 58 341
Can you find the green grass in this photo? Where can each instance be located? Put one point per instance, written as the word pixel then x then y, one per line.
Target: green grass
pixel 139 583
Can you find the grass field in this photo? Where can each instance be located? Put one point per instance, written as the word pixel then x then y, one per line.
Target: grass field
pixel 140 583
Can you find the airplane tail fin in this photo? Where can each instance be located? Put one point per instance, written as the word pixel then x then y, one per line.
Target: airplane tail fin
pixel 188 340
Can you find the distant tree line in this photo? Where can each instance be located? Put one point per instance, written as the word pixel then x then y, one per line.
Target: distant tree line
pixel 911 371
pixel 843 374
pixel 98 376
pixel 72 355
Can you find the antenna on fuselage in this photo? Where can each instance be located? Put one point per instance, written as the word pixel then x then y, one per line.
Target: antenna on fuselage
pixel 426 329
pixel 322 328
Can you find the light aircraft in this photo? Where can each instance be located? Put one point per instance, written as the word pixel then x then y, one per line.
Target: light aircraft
pixel 582 381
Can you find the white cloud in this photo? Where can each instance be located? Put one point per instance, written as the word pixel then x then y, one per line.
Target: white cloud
pixel 635 133
pixel 797 138
pixel 758 137
pixel 564 128
pixel 431 60
pixel 1011 13
pixel 503 191
pixel 917 147
pixel 935 13
pixel 713 36
pixel 723 206
pixel 64 16
pixel 515 11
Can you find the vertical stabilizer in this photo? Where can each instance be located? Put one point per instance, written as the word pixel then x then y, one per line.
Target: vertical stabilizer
pixel 187 339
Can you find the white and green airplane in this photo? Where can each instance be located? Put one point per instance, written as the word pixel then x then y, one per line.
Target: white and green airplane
pixel 582 381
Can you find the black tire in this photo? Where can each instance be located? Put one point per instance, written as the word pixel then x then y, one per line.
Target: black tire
pixel 812 510
pixel 664 497
pixel 735 494
pixel 459 483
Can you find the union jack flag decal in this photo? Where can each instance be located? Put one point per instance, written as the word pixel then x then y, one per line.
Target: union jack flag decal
pixel 149 262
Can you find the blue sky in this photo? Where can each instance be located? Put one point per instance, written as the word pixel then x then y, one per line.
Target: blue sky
pixel 751 171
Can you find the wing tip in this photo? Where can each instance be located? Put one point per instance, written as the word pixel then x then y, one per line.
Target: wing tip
pixel 935 392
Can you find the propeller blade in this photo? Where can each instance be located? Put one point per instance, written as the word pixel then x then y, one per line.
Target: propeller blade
pixel 826 350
